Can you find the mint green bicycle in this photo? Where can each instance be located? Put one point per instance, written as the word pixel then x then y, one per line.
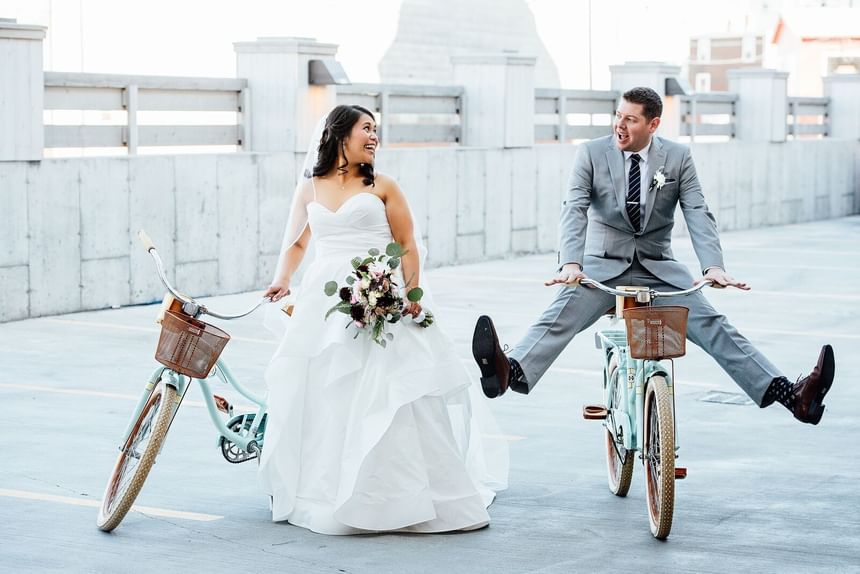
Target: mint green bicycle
pixel 639 401
pixel 189 350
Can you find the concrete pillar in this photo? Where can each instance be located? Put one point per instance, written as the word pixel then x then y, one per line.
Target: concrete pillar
pixel 499 100
pixel 283 107
pixel 22 89
pixel 760 112
pixel 844 93
pixel 652 75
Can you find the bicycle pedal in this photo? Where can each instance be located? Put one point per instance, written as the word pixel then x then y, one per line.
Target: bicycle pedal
pixel 680 473
pixel 223 405
pixel 594 412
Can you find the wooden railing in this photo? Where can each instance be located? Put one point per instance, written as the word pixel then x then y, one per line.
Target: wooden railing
pixel 808 117
pixel 410 114
pixel 708 114
pixel 567 115
pixel 135 94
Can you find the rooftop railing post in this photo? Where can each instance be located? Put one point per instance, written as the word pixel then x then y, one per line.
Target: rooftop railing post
pixel 843 108
pixel 130 100
pixel 499 99
pixel 22 91
pixel 762 104
pixel 284 105
pixel 562 117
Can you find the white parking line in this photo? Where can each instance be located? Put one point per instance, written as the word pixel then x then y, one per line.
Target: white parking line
pixel 88 393
pixel 119 327
pixel 162 512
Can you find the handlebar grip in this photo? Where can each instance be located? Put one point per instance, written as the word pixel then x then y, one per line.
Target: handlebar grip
pixel 144 238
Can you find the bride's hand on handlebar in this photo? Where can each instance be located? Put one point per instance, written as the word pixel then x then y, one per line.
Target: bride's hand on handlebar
pixel 720 279
pixel 277 290
pixel 570 274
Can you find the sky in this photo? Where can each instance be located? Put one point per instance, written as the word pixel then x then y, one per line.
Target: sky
pixel 195 37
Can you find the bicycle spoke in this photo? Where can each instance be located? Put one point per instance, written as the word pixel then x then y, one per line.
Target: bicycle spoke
pixel 132 455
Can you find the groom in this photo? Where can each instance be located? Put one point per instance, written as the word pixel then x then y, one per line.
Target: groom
pixel 632 182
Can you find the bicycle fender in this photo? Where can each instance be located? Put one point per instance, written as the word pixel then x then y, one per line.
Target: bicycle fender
pixel 657 368
pixel 622 421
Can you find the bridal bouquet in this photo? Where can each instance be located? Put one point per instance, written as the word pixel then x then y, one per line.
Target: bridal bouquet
pixel 371 297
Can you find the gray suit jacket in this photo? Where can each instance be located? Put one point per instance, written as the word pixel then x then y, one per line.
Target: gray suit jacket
pixel 596 202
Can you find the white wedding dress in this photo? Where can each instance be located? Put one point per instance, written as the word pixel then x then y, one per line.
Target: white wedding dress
pixel 362 438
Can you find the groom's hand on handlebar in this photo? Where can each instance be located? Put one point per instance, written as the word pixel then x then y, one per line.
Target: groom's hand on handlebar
pixel 570 274
pixel 720 279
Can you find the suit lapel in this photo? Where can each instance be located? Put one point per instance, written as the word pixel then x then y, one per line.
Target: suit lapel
pixel 615 159
pixel 656 160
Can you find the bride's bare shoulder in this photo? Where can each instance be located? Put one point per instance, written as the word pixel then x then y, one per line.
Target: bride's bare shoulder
pixel 385 184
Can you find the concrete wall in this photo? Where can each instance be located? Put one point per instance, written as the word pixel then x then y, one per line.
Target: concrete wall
pixel 68 233
pixel 67 227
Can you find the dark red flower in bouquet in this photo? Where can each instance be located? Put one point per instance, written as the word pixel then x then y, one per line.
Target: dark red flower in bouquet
pixel 345 293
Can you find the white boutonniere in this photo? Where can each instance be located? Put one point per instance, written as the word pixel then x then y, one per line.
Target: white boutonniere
pixel 659 179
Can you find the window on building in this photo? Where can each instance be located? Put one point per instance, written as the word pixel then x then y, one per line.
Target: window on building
pixel 703 82
pixel 748 48
pixel 703 49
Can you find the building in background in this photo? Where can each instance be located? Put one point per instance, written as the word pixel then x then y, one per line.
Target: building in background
pixel 712 56
pixel 807 40
pixel 429 32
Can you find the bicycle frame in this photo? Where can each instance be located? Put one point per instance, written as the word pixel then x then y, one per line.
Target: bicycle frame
pixel 181 383
pixel 635 372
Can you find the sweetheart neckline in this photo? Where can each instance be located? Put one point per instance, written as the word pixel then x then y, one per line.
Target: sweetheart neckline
pixel 347 200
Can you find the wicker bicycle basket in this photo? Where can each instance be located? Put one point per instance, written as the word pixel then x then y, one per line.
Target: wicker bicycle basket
pixel 189 346
pixel 656 332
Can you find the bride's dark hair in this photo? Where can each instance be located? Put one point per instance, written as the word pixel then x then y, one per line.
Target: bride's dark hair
pixel 338 126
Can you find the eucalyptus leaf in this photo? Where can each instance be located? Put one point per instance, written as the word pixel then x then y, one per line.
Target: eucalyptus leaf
pixel 373 251
pixel 332 310
pixel 383 342
pixel 394 262
pixel 331 288
pixel 356 262
pixel 350 280
pixel 394 249
pixel 415 294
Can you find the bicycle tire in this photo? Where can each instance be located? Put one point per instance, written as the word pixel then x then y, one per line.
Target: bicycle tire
pixel 659 456
pixel 619 461
pixel 126 479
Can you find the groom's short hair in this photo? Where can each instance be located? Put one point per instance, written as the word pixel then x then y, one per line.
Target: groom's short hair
pixel 652 105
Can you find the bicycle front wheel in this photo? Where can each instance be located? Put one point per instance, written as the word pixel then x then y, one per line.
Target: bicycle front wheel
pixel 619 461
pixel 659 456
pixel 137 457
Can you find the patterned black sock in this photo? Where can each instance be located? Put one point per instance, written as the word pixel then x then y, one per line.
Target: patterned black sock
pixel 516 371
pixel 781 390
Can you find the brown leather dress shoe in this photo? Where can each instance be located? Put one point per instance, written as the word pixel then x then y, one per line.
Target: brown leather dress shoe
pixel 810 391
pixel 494 365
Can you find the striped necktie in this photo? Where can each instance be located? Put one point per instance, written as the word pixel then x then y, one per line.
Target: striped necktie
pixel 633 192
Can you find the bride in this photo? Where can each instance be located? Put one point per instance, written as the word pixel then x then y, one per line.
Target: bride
pixel 360 437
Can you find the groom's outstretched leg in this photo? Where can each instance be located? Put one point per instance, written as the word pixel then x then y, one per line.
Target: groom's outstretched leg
pixel 571 311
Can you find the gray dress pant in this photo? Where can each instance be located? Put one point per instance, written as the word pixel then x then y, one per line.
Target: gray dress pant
pixel 574 310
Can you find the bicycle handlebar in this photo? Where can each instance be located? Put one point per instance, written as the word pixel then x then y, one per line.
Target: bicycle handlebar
pixel 144 238
pixel 651 292
pixel 189 305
